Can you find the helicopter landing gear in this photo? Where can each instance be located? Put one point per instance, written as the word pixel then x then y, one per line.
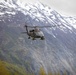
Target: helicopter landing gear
pixel 42 38
pixel 29 37
pixel 33 39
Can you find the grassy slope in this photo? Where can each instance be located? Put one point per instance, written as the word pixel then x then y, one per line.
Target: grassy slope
pixel 11 69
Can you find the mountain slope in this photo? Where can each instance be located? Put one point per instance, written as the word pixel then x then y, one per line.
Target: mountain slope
pixel 56 53
pixel 9 69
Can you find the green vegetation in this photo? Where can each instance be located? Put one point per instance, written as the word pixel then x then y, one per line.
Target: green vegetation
pixel 12 69
pixel 42 72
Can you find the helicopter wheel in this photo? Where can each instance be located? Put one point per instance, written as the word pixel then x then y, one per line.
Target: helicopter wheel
pixel 28 37
pixel 42 38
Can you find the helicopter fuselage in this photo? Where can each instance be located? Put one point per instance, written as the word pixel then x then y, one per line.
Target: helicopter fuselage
pixel 36 34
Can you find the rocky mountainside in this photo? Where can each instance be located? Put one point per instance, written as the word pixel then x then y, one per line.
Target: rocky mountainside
pixel 56 53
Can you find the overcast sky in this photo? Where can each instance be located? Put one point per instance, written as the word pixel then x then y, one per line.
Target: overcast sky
pixel 64 7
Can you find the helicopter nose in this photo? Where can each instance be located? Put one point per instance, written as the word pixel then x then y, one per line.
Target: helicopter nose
pixel 40 33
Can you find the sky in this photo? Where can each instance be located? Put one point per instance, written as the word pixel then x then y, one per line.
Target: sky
pixel 64 7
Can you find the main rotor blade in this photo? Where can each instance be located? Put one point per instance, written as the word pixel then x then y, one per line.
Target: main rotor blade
pixel 42 26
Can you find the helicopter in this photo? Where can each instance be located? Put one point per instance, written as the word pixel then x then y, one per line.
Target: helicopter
pixel 36 32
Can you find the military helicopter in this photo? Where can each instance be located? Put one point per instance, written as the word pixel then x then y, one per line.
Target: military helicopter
pixel 36 32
